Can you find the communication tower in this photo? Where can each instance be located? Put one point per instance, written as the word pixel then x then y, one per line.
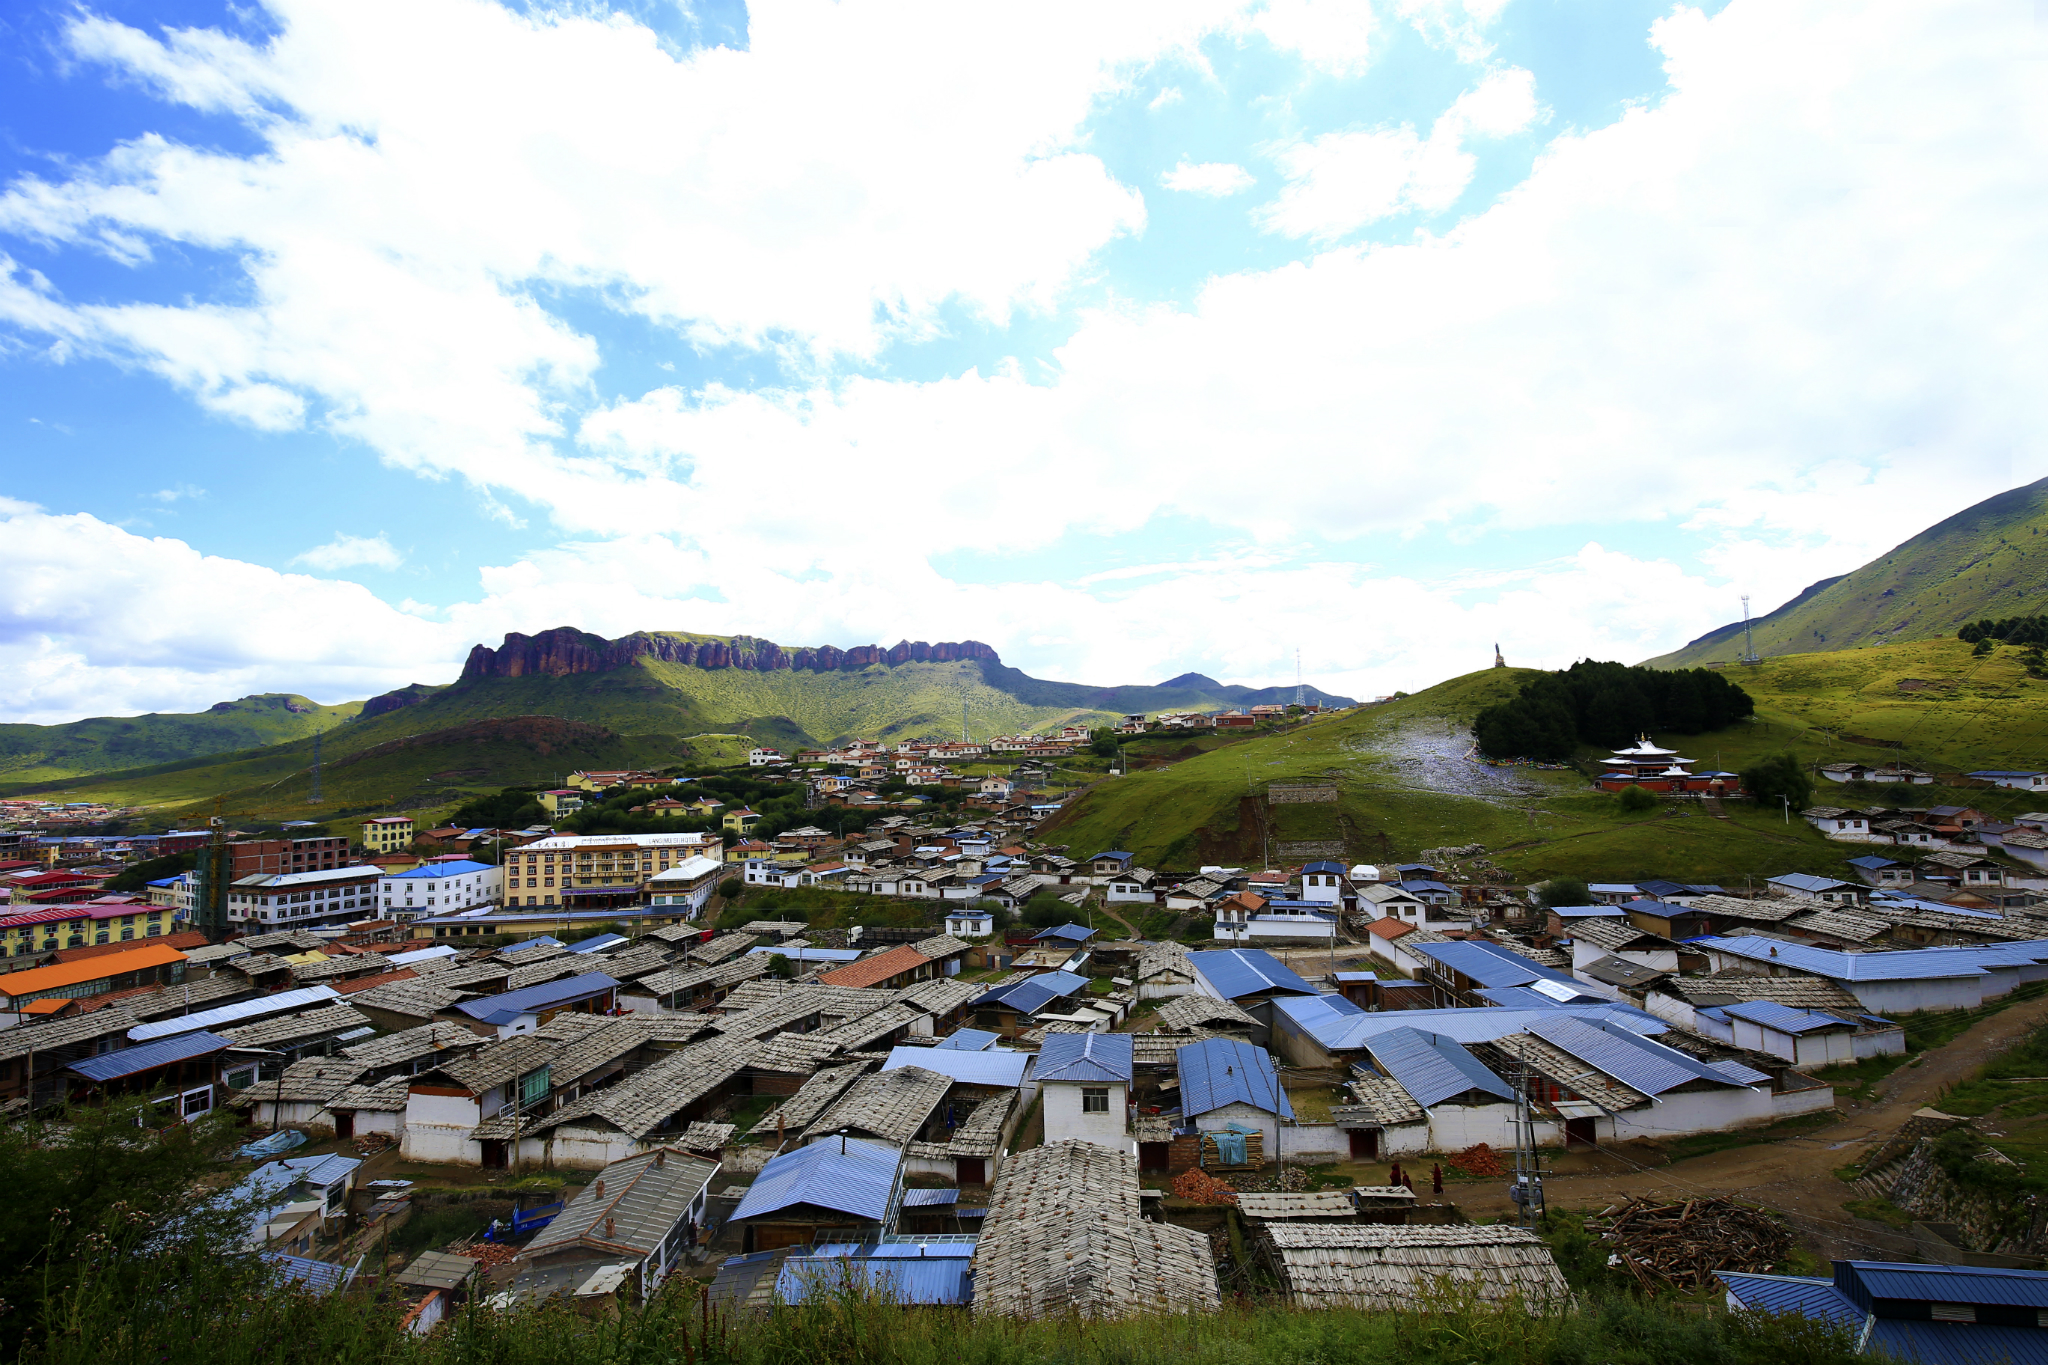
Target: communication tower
pixel 1300 689
pixel 1748 645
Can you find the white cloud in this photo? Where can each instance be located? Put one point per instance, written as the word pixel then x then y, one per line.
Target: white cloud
pixel 347 552
pixel 1216 179
pixel 1335 36
pixel 183 492
pixel 1789 306
pixel 1340 182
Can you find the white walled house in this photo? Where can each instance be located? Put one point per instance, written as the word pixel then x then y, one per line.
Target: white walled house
pixel 440 889
pixel 971 922
pixel 303 900
pixel 688 884
pixel 1225 1081
pixel 1805 1038
pixel 1084 1083
pixel 1323 883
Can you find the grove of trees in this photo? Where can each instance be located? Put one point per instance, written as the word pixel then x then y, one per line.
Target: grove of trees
pixel 1607 704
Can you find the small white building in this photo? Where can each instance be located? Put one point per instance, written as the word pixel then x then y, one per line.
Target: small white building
pixel 1805 1038
pixel 761 758
pixel 440 889
pixel 1084 1080
pixel 973 921
pixel 688 884
pixel 1323 883
pixel 2019 781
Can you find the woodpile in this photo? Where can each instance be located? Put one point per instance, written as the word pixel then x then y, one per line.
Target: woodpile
pixel 1684 1244
pixel 1254 1154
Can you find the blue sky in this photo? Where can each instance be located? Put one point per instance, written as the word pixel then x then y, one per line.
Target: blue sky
pixel 339 337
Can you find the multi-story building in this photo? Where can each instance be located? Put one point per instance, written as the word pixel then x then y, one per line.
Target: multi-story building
pixel 439 889
pixel 51 928
pixel 304 900
pixel 387 834
pixel 317 853
pixel 595 871
pixel 688 885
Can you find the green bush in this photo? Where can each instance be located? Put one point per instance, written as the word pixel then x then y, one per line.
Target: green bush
pixel 1635 800
pixel 1563 891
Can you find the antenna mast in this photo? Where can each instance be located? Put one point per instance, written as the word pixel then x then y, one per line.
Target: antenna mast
pixel 1300 692
pixel 1748 645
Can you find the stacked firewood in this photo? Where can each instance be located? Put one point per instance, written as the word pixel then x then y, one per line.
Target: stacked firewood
pixel 1685 1243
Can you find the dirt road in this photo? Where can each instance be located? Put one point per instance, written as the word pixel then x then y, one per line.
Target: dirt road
pixel 1794 1175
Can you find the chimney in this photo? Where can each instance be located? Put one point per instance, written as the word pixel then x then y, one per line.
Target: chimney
pixel 597 1190
pixel 609 1224
pixel 660 1157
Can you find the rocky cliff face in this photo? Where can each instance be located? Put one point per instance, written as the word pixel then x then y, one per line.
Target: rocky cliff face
pixel 554 653
pixel 398 699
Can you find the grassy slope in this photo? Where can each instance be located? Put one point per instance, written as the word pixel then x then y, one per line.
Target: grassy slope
pixel 1987 560
pixel 1401 775
pixel 39 753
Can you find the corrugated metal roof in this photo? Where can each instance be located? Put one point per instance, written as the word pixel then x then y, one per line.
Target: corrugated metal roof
pixel 498 1009
pixel 933 1279
pixel 631 1206
pixel 1033 993
pixel 226 1016
pixel 1322 1020
pixel 1433 1068
pixel 1784 1018
pixel 1637 1062
pixel 322 1277
pixel 1944 1283
pixel 1489 964
pixel 846 1175
pixel 1906 964
pixel 131 1060
pixel 1793 1294
pixel 994 1066
pixel 1236 972
pixel 1220 1071
pixel 598 943
pixel 1957 1343
pixel 930 1199
pixel 1084 1057
pixel 967 1040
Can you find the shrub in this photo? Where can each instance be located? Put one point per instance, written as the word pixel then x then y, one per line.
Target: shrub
pixel 1635 800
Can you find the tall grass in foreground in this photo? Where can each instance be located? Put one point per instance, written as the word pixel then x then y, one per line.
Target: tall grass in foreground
pixel 220 1313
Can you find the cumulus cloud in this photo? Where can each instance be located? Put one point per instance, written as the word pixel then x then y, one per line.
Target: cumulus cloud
pixel 1787 307
pixel 1335 36
pixel 348 552
pixel 1216 179
pixel 1340 182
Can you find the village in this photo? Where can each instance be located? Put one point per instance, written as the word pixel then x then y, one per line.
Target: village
pixel 610 1060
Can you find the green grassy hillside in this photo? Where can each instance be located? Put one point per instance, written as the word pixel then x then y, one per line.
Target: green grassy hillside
pixel 1988 560
pixel 1407 784
pixel 415 772
pixel 41 753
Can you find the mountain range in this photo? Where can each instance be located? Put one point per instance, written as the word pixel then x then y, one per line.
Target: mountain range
pixel 653 686
pixel 1987 560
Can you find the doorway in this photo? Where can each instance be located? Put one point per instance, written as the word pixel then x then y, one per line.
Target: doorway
pixel 1578 1133
pixel 494 1154
pixel 1365 1144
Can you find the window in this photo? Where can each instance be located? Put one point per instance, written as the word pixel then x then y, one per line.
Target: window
pixel 1095 1099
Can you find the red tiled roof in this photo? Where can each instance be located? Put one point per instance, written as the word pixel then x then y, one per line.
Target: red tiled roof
pixel 363 983
pixel 1389 928
pixel 871 970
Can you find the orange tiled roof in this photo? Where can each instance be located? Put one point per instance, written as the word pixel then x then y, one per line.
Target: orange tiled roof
pixel 868 971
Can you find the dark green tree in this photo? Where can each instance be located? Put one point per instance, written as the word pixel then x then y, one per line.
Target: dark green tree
pixel 1777 779
pixel 1636 800
pixel 1563 891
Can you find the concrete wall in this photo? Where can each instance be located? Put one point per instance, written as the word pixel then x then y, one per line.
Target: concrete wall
pixel 1313 1142
pixel 1812 1049
pixel 437 1128
pixel 572 1148
pixel 1890 1042
pixel 1064 1117
pixel 1706 1111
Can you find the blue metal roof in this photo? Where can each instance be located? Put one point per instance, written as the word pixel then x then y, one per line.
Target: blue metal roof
pixel 1414 884
pixel 1067 933
pixel 1809 1298
pixel 1637 1062
pixel 1432 1068
pixel 1806 881
pixel 846 1175
pixel 1873 862
pixel 1489 964
pixel 1529 998
pixel 1220 1071
pixel 322 1277
pixel 436 871
pixel 597 943
pixel 1111 853
pixel 929 1280
pixel 1865 1280
pixel 239 1013
pixel 1784 1018
pixel 130 1061
pixel 1034 993
pixel 1324 866
pixel 966 1040
pixel 1236 972
pixel 1588 911
pixel 1085 1057
pixel 1957 1343
pixel 320 1171
pixel 502 1009
pixel 1340 1031
pixel 1905 964
pixel 929 1199
pixel 990 1066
